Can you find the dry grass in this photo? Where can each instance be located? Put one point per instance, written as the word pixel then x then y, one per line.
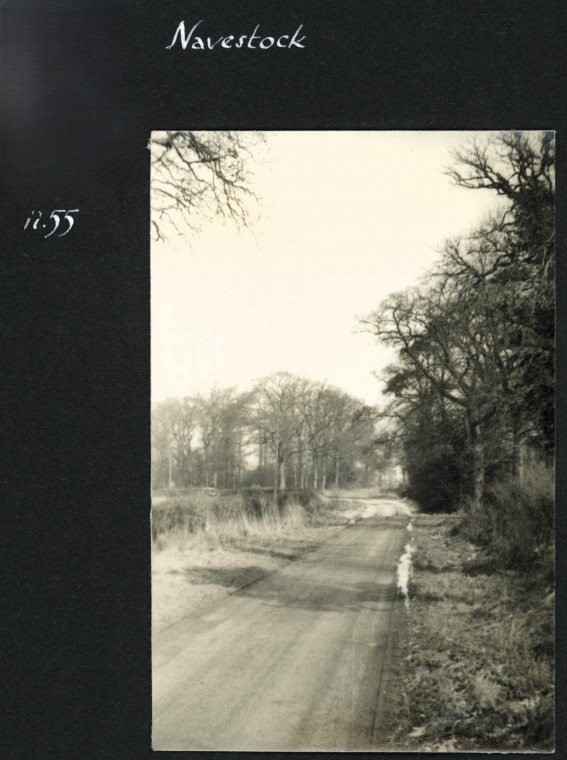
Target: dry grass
pixel 206 547
pixel 479 665
pixel 516 518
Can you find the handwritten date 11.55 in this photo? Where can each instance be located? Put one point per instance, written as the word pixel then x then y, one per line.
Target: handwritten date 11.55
pixel 54 218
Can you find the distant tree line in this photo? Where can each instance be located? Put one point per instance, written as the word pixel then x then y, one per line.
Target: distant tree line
pixel 473 385
pixel 286 432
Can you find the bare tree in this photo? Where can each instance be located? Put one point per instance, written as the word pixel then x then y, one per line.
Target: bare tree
pixel 476 340
pixel 185 431
pixel 197 176
pixel 316 411
pixel 275 403
pixel 220 415
pixel 165 439
pixel 520 168
pixel 438 343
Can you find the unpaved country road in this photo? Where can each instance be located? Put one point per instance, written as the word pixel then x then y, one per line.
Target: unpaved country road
pixel 299 660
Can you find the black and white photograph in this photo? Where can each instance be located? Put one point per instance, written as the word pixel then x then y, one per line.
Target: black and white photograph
pixel 352 440
pixel 282 314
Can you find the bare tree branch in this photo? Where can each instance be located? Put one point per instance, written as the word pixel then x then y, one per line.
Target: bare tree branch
pixel 197 176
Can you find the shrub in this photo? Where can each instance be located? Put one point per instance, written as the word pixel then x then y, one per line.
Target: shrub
pixel 227 516
pixel 516 519
pixel 435 485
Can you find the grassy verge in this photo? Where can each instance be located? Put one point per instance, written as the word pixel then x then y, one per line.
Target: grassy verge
pixel 479 660
pixel 205 547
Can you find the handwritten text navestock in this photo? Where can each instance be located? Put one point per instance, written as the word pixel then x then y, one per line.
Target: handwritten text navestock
pixel 253 41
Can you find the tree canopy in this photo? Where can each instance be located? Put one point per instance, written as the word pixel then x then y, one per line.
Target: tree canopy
pixel 287 431
pixel 473 383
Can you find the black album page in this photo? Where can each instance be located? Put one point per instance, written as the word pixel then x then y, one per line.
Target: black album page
pixel 279 305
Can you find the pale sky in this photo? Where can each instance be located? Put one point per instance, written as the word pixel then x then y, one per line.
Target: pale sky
pixel 346 219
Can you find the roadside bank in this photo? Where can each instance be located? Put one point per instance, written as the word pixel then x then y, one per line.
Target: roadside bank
pixel 478 663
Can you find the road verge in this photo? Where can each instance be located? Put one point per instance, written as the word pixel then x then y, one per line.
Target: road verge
pixel 209 548
pixel 477 667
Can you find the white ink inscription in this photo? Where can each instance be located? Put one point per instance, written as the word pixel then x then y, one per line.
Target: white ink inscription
pixel 53 217
pixel 253 41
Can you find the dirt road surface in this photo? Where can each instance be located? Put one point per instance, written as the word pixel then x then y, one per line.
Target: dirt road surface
pixel 299 660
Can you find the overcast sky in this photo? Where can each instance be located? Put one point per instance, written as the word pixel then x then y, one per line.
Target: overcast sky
pixel 346 218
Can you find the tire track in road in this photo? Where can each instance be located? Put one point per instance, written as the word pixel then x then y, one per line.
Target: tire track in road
pixel 299 660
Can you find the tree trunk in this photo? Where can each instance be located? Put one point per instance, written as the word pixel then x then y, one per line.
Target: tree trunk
pixel 282 476
pixel 521 462
pixel 276 471
pixel 240 462
pixel 206 467
pixel 337 466
pixel 516 449
pixel 315 474
pixel 478 466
